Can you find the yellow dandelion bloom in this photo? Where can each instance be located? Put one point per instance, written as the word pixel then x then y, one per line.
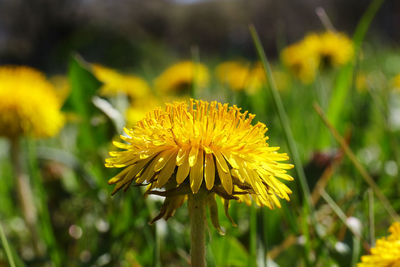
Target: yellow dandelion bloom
pixel 257 79
pixel 395 82
pixel 28 104
pixel 181 77
pixel 62 86
pixel 335 49
pixel 386 252
pixel 115 83
pixel 201 146
pixel 301 59
pixel 234 74
pixel 138 109
pixel 240 76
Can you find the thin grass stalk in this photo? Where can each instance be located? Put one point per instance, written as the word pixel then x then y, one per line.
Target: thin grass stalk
pixel 196 60
pixel 364 174
pixel 371 216
pixel 338 211
pixel 197 213
pixel 45 224
pixel 25 194
pixel 253 236
pixel 284 121
pixel 324 18
pixel 6 247
pixel 356 251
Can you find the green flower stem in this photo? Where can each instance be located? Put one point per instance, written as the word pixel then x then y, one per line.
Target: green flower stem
pixel 197 212
pixel 25 195
pixel 6 247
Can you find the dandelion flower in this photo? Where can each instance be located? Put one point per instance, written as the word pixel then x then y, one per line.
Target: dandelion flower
pixel 239 76
pixel 234 74
pixel 28 104
pixel 301 60
pixel 138 109
pixel 62 86
pixel 395 82
pixel 115 83
pixel 335 49
pixel 386 252
pixel 181 77
pixel 208 147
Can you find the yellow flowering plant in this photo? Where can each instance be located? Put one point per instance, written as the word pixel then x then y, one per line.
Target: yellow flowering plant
pixel 115 83
pixel 29 105
pixel 386 252
pixel 198 151
pixel 180 78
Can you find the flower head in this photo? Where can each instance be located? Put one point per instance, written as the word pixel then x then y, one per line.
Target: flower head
pixel 138 109
pixel 335 49
pixel 201 146
pixel 115 83
pixel 181 77
pixel 234 74
pixel 301 59
pixel 395 82
pixel 240 76
pixel 386 251
pixel 28 104
pixel 328 49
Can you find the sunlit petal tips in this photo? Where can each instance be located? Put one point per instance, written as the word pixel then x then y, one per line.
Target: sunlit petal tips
pixel 386 251
pixel 202 145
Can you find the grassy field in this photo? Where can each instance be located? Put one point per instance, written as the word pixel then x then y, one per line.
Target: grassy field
pixel 340 128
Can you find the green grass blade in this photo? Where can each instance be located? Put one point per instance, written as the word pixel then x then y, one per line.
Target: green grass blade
pixel 253 236
pixel 363 172
pixel 6 247
pixel 283 119
pixel 45 225
pixel 344 82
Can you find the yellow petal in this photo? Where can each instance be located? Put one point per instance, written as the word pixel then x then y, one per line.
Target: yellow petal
pixel 226 179
pixel 182 154
pixel 209 174
pixel 193 156
pixel 221 161
pixel 167 171
pixel 183 170
pixel 231 159
pixel 196 173
pixel 163 159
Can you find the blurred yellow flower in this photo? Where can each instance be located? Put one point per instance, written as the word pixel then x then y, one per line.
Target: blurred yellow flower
pixel 386 252
pixel 301 60
pixel 234 74
pixel 28 104
pixel 202 146
pixel 62 86
pixel 328 49
pixel 138 109
pixel 181 77
pixel 240 76
pixel 335 49
pixel 395 82
pixel 115 83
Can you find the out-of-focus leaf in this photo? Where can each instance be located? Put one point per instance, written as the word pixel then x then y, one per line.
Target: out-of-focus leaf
pixel 84 86
pixel 228 251
pixel 339 102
